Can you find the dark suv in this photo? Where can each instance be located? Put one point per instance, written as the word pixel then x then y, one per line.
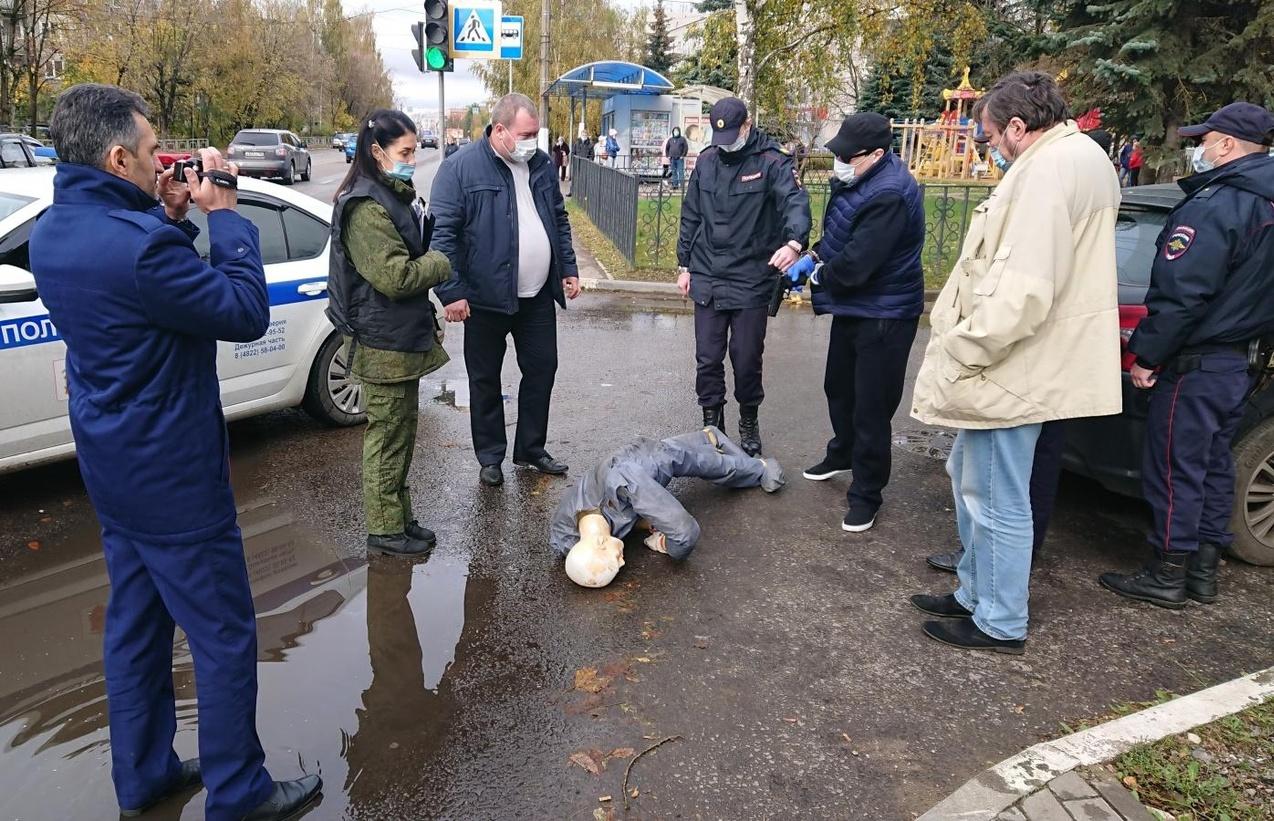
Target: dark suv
pixel 269 152
pixel 1108 448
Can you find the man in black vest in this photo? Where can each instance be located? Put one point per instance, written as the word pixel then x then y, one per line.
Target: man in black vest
pixel 744 215
pixel 507 281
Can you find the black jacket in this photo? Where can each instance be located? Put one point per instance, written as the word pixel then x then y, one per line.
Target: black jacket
pixel 738 210
pixel 357 309
pixel 476 225
pixel 1212 282
pixel 676 148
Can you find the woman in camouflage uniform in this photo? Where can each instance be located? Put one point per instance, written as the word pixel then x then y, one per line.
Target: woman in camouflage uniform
pixel 381 273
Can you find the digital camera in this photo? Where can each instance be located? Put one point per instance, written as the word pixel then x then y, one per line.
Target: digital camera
pixel 194 163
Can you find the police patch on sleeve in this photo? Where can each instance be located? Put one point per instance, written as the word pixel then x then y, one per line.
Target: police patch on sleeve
pixel 1179 241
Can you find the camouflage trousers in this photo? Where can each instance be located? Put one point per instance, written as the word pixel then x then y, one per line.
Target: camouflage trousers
pixel 388 444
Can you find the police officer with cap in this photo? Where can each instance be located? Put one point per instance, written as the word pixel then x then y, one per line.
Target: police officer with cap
pixel 1211 294
pixel 744 214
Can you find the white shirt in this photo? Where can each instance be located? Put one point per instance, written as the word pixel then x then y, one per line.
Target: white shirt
pixel 535 256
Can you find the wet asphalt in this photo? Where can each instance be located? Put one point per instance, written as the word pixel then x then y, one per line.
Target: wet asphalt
pixel 783 655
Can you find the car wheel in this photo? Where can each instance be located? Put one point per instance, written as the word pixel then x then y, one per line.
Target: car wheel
pixel 305 176
pixel 1253 522
pixel 332 396
pixel 289 174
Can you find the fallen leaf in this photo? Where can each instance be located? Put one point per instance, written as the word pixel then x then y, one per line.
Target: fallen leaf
pixel 604 798
pixel 33 545
pixel 588 680
pixel 1019 708
pixel 1130 782
pixel 622 752
pixel 586 761
pixel 643 659
pixel 636 792
pixel 1193 739
pixel 791 720
pixel 846 737
pixel 701 642
pixel 601 814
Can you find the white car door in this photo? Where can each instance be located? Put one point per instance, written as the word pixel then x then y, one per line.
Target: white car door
pixel 293 250
pixel 33 406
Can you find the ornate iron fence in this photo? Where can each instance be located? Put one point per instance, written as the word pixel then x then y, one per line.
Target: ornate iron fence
pixel 610 199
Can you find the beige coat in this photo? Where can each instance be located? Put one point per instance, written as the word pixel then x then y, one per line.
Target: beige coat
pixel 1027 327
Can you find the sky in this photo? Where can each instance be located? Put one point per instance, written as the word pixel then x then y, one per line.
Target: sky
pixel 392 25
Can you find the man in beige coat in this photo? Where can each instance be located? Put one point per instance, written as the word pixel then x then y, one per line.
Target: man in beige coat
pixel 1025 331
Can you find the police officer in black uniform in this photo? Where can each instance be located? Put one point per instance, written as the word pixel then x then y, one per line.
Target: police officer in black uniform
pixel 1211 294
pixel 744 215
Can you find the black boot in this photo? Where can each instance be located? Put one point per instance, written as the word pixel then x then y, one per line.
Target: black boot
pixel 1162 582
pixel 288 799
pixel 1201 573
pixel 749 430
pixel 714 417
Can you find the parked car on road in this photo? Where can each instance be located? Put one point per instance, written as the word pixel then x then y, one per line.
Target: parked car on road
pixel 299 362
pixel 1109 448
pixel 15 153
pixel 270 152
pixel 339 140
pixel 428 139
pixel 44 154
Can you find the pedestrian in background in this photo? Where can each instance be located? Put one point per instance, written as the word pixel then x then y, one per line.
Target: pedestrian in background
pixel 141 313
pixel 1125 158
pixel 867 274
pixel 612 148
pixel 1025 331
pixel 381 270
pixel 1211 294
pixel 744 215
pixel 675 150
pixel 505 282
pixel 451 148
pixel 561 155
pixel 584 147
pixel 1136 159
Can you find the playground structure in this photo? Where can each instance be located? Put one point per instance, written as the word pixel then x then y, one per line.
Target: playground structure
pixel 945 149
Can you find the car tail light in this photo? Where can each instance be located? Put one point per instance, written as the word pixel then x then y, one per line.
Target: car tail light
pixel 280 152
pixel 1130 317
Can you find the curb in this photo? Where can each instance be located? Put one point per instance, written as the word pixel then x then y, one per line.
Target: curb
pixel 986 795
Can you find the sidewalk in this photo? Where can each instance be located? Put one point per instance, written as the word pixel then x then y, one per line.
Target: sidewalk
pixel 1090 794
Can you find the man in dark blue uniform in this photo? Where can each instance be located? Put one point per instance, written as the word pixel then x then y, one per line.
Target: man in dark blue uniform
pixel 744 215
pixel 141 314
pixel 1211 294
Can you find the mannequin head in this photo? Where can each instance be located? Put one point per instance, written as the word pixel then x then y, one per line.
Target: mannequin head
pixel 595 559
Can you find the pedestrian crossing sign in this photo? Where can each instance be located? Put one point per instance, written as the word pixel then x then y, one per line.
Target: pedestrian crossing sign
pixel 475 30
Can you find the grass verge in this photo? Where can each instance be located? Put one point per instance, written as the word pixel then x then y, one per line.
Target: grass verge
pixel 608 255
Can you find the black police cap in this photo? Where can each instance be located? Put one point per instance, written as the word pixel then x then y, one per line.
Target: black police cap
pixel 728 116
pixel 1243 121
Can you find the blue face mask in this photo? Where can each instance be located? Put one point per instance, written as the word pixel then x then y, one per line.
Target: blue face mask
pixel 1000 162
pixel 403 171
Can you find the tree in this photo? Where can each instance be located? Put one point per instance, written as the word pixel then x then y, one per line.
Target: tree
pixel 1154 65
pixel 39 37
pixel 659 44
pixel 894 93
pixel 715 62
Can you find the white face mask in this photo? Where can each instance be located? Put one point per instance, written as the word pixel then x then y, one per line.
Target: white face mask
pixel 843 171
pixel 1201 163
pixel 523 150
pixel 737 145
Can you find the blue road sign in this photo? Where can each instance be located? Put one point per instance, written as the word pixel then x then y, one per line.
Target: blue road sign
pixel 473 30
pixel 511 38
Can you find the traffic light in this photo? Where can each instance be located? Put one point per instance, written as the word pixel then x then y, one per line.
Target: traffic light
pixel 418 53
pixel 437 39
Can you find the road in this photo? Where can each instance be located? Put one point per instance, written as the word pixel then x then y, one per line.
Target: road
pixel 330 168
pixel 783 654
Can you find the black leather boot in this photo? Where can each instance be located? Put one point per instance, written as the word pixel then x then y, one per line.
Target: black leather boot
pixel 749 430
pixel 1201 573
pixel 1162 582
pixel 288 799
pixel 714 417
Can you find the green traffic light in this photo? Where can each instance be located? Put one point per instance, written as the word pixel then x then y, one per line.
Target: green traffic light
pixel 436 58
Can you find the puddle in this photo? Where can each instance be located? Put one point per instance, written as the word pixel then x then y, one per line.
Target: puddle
pixel 353 673
pixel 936 444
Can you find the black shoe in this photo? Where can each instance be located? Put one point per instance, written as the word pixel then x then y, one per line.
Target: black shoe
pixel 946 607
pixel 1162 582
pixel 1201 573
pixel 399 544
pixel 189 777
pixel 419 533
pixel 825 470
pixel 544 464
pixel 714 417
pixel 290 797
pixel 491 475
pixel 966 635
pixel 858 520
pixel 946 562
pixel 749 430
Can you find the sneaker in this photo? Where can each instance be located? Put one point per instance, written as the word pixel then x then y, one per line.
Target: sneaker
pixel 824 470
pixel 858 520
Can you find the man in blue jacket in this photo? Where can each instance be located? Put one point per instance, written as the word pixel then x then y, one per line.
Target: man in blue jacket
pixel 141 314
pixel 500 218
pixel 867 275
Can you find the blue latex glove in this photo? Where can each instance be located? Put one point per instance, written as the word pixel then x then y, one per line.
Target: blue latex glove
pixel 801 269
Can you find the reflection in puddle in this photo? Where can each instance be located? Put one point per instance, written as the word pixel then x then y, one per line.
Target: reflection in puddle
pixel 353 674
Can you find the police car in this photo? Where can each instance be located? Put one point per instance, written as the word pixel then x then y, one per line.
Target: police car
pixel 299 362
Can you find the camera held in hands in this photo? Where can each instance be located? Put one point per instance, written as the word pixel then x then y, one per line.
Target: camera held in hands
pixel 193 163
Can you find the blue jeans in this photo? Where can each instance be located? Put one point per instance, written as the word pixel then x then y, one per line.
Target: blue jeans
pixel 678 168
pixel 991 480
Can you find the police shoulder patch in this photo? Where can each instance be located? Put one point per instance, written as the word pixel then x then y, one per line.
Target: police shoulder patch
pixel 1179 241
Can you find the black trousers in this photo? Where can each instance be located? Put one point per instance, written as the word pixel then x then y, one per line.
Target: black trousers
pixel 534 330
pixel 740 332
pixel 1045 472
pixel 866 370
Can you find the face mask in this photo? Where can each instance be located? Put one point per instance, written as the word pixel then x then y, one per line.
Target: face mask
pixel 523 150
pixel 1000 162
pixel 737 145
pixel 403 171
pixel 843 171
pixel 1201 163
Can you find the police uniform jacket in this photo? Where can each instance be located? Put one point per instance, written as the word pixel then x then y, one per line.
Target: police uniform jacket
pixel 141 314
pixel 738 210
pixel 1212 283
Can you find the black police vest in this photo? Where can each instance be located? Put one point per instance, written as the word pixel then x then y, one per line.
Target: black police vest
pixel 357 309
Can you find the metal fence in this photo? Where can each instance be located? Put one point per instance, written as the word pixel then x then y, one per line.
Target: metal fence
pixel 183 144
pixel 609 198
